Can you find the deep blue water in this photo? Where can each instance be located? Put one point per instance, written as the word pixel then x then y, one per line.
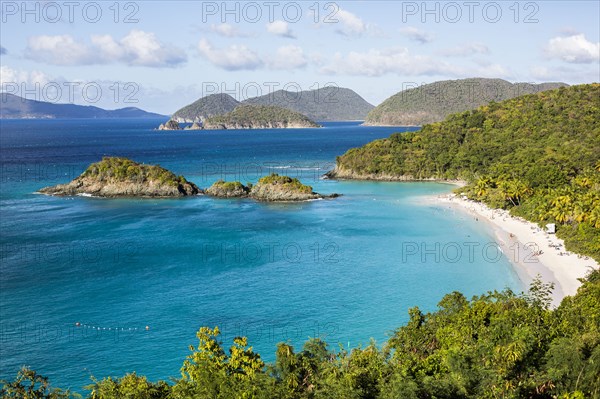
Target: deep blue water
pixel 344 270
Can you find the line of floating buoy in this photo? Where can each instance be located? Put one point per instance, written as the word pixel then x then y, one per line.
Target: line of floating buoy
pixel 78 324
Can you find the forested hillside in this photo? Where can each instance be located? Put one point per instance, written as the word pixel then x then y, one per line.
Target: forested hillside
pixel 538 155
pixel 433 102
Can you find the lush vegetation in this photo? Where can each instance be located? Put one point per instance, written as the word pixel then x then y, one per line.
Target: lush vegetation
pixel 211 105
pixel 497 345
pixel 286 183
pixel 230 185
pixel 123 169
pixel 228 189
pixel 537 155
pixel 325 104
pixel 259 116
pixel 435 101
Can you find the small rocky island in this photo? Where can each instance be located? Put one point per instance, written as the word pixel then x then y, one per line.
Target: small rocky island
pixel 170 125
pixel 270 188
pixel 249 117
pixel 122 177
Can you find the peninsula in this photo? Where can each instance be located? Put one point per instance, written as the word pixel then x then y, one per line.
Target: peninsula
pixel 533 157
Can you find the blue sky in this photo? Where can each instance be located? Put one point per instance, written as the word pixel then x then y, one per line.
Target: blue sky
pixel 162 55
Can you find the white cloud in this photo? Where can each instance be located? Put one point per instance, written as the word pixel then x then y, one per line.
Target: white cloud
pixel 235 57
pixel 288 57
pixel 240 57
pixel 398 60
pixel 377 62
pixel 280 28
pixel 574 49
pixel 10 76
pixel 416 34
pixel 36 85
pixel 58 50
pixel 227 30
pixel 143 48
pixel 466 50
pixel 351 24
pixel 137 48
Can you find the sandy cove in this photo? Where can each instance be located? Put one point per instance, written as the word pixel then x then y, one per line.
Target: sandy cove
pixel 554 263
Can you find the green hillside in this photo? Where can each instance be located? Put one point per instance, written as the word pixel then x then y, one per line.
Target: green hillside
pixel 434 102
pixel 538 155
pixel 258 117
pixel 214 104
pixel 325 104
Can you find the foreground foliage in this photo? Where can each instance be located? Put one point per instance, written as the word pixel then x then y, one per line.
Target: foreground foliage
pixel 497 345
pixel 537 155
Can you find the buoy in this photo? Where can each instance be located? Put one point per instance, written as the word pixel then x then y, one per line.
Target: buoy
pixel 78 324
pixel 147 328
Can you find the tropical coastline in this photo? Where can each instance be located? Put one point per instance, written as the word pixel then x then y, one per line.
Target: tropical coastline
pixel 520 239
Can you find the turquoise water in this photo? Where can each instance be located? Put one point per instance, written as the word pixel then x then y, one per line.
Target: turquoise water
pixel 344 270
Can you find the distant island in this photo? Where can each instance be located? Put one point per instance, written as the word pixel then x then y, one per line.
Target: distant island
pixel 325 104
pixel 205 107
pixel 249 117
pixel 536 155
pixel 272 188
pixel 435 101
pixel 259 117
pixel 122 177
pixel 15 107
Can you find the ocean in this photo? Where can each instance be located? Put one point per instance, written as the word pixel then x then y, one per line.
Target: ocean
pixel 99 287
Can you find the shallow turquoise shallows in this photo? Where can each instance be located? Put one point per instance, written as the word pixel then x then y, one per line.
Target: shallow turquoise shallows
pixel 345 270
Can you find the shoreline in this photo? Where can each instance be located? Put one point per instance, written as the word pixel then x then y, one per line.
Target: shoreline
pixel 520 239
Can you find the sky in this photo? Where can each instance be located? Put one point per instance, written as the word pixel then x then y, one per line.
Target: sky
pixel 160 56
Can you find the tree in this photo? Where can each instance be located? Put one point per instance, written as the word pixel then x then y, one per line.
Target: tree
pixel 30 385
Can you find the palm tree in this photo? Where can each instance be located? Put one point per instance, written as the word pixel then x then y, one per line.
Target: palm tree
pixel 594 217
pixel 580 211
pixel 560 214
pixel 514 190
pixel 482 185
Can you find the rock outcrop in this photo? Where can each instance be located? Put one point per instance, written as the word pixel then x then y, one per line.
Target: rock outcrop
pixel 169 125
pixel 272 188
pixel 194 126
pixel 121 177
pixel 223 189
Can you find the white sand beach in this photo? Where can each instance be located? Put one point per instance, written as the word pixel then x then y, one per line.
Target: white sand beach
pixel 532 250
